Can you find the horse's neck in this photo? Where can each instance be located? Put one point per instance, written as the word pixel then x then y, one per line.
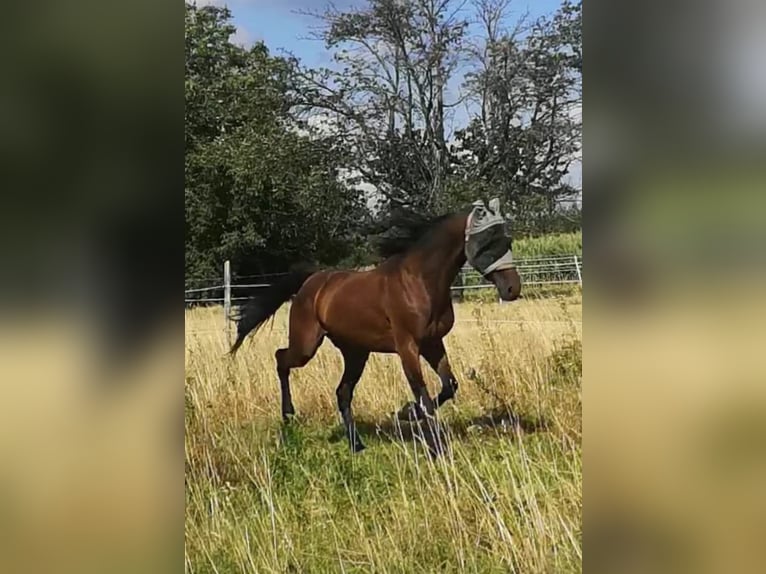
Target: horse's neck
pixel 440 262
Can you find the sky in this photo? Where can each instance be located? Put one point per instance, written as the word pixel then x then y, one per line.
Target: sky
pixel 281 26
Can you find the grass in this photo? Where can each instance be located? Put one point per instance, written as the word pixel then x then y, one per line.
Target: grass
pixel 548 245
pixel 262 497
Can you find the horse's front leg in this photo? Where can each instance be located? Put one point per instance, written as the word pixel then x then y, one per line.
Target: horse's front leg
pixel 435 354
pixel 424 407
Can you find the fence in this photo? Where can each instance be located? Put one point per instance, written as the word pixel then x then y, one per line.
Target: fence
pixel 551 270
pixel 540 271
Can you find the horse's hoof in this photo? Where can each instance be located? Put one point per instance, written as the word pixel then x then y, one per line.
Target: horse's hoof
pixel 436 453
pixel 409 412
pixel 357 448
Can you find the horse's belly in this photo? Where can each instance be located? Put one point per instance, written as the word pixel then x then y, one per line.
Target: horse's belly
pixel 360 327
pixel 358 332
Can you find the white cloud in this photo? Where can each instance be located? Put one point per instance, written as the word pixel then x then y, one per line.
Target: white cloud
pixel 242 37
pixel 200 3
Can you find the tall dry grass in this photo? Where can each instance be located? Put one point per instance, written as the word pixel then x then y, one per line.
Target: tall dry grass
pixel 507 497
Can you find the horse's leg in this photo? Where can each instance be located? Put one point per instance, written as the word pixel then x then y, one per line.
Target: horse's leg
pixel 436 355
pixel 283 370
pixel 306 336
pixel 355 361
pixel 409 353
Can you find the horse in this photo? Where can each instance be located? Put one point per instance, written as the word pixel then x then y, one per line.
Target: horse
pixel 402 306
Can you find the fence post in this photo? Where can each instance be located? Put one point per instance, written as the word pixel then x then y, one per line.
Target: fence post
pixel 227 298
pixel 577 266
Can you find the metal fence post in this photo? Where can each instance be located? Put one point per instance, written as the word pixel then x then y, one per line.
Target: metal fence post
pixel 227 298
pixel 577 266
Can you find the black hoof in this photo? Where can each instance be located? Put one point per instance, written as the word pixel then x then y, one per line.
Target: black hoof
pixel 358 447
pixel 437 445
pixel 435 453
pixel 409 412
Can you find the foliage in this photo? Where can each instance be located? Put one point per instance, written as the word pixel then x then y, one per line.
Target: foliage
pixel 522 143
pixel 386 92
pixel 259 191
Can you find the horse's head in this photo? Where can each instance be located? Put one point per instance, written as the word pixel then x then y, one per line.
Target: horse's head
pixel 488 248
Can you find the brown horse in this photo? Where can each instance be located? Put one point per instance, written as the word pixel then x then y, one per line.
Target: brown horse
pixel 402 306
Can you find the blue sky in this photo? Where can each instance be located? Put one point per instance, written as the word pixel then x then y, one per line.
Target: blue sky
pixel 280 25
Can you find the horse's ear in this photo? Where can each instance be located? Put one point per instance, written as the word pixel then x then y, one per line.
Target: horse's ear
pixel 494 205
pixel 478 208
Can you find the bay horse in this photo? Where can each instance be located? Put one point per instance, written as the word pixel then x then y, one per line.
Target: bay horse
pixel 402 306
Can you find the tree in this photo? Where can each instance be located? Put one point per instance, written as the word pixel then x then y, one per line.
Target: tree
pixel 528 130
pixel 260 190
pixel 387 95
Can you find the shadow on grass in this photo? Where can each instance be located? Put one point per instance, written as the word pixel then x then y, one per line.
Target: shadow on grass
pixel 499 422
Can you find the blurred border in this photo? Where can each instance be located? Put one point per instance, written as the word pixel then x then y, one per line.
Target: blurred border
pixel 91 335
pixel 675 400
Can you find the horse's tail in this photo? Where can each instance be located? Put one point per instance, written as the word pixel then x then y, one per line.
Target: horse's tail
pixel 260 307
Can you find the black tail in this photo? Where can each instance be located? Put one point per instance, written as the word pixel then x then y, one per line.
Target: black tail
pixel 253 314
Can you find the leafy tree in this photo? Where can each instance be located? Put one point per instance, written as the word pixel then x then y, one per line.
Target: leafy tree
pixel 261 189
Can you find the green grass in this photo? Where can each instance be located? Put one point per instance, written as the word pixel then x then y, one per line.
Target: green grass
pixel 310 505
pixel 548 245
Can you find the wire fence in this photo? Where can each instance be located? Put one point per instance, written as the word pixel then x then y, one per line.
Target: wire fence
pixel 534 271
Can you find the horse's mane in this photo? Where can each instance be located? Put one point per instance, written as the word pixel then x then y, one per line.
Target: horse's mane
pixel 404 230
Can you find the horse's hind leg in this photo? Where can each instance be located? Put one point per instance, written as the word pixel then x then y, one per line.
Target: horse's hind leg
pixel 305 338
pixel 283 370
pixel 355 362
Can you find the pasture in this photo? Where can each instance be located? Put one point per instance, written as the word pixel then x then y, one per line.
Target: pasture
pixel 261 497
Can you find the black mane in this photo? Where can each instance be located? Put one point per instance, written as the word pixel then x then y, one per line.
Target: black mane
pixel 405 229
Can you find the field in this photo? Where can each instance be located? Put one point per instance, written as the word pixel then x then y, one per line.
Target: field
pixel 548 245
pixel 261 497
